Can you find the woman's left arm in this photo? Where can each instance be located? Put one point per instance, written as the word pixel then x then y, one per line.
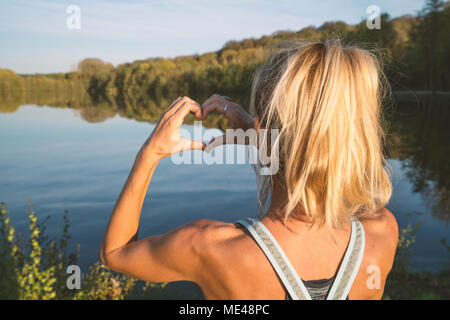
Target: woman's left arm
pixel 167 257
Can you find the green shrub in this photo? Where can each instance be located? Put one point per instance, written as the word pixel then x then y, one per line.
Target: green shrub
pixel 35 268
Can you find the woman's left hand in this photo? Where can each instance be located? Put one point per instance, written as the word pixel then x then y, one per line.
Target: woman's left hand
pixel 238 117
pixel 166 138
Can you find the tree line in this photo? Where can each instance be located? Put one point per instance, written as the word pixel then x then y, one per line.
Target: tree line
pixel 415 52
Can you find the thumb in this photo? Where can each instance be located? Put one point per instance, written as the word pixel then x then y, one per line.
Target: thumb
pixel 215 142
pixel 230 138
pixel 192 145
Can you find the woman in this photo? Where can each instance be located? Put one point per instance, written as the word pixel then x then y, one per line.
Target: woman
pixel 325 233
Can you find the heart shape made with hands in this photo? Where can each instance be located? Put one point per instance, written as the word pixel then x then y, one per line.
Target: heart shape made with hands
pixel 166 138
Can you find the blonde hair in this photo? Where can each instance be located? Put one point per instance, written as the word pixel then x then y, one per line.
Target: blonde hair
pixel 325 100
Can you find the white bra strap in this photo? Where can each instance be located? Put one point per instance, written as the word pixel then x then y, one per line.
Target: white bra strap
pixel 286 272
pixel 350 264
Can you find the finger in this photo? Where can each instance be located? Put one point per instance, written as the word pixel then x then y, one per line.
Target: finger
pixel 192 145
pixel 229 138
pixel 211 106
pixel 209 99
pixel 175 101
pixel 215 142
pixel 175 105
pixel 198 113
pixel 186 108
pixel 213 97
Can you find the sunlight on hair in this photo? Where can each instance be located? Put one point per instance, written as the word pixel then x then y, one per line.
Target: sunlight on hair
pixel 325 98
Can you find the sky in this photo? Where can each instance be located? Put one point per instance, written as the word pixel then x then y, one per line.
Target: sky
pixel 34 37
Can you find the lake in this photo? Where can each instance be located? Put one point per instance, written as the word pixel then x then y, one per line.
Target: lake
pixel 61 161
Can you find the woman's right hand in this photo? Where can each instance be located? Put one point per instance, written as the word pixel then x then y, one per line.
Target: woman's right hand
pixel 238 117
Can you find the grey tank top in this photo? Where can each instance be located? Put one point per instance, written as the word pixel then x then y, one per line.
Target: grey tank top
pixel 336 288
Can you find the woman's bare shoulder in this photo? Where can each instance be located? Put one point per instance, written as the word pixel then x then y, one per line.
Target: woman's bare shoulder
pixel 213 233
pixel 381 234
pixel 209 236
pixel 381 226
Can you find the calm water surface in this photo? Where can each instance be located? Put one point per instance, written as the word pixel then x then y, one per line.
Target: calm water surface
pixel 62 162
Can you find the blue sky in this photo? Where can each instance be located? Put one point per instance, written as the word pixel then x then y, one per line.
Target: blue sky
pixel 34 37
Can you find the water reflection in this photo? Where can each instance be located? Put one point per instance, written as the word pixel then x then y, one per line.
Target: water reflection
pixel 419 136
pixel 66 164
pixel 95 109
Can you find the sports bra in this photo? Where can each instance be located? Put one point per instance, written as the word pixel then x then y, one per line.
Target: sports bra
pixel 336 288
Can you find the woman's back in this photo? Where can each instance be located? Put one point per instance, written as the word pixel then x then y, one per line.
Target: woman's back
pixel 236 267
